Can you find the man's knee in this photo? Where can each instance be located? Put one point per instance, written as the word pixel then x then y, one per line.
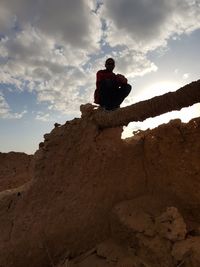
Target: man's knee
pixel 127 89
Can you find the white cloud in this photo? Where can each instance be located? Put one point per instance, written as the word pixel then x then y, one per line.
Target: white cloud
pixel 176 71
pixel 4 108
pixel 37 63
pixel 136 23
pixel 41 116
pixel 186 76
pixel 134 63
pixel 46 44
pixel 48 48
pixel 64 91
pixel 5 111
pixel 71 22
pixel 145 25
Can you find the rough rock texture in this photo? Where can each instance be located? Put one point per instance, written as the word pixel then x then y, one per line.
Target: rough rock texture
pixel 15 169
pixel 170 225
pixel 188 251
pixel 82 178
pixel 146 249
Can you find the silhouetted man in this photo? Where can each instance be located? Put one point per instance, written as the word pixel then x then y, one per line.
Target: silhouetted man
pixel 111 88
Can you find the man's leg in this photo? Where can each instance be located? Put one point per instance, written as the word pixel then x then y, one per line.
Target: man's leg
pixel 107 94
pixel 122 93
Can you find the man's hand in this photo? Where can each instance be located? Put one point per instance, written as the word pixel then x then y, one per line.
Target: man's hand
pixel 121 79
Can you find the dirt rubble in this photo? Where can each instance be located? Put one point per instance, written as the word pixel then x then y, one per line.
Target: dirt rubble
pixel 97 200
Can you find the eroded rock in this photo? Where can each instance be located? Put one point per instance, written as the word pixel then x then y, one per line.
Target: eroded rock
pixel 171 225
pixel 81 173
pixel 15 169
pixel 187 252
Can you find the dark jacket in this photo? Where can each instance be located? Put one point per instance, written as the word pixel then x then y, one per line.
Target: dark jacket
pixel 102 75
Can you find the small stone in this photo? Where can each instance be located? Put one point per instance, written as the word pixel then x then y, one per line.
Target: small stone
pixel 56 125
pixel 171 225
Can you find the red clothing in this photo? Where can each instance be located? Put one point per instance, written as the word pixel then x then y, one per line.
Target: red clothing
pixel 107 75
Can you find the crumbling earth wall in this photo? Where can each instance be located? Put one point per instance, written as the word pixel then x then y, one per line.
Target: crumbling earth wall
pixel 81 172
pixel 15 169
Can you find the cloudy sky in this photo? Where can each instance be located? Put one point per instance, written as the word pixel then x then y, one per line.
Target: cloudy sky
pixel 51 50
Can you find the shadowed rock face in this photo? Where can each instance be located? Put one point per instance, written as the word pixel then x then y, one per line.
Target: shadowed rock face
pixel 81 172
pixel 15 169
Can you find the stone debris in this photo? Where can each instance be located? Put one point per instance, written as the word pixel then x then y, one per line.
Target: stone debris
pixel 187 251
pixel 171 225
pixel 111 251
pixel 155 250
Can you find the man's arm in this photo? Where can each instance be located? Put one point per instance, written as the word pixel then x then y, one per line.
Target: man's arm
pixel 121 79
pixel 98 80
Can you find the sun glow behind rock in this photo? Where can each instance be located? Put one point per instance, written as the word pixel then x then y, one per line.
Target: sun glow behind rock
pixel 159 88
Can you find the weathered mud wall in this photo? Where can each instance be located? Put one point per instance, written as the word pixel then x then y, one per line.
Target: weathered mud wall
pixel 15 169
pixel 172 163
pixel 81 172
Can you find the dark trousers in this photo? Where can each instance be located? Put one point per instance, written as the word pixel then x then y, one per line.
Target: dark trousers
pixel 111 95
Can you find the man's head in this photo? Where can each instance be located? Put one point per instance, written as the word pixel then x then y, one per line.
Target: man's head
pixel 110 64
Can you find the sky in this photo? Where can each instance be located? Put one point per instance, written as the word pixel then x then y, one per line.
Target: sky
pixel 51 50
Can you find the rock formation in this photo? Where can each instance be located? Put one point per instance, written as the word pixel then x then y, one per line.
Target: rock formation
pixel 184 97
pixel 97 200
pixel 15 169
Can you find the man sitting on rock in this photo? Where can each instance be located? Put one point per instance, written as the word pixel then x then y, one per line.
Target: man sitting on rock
pixel 111 88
